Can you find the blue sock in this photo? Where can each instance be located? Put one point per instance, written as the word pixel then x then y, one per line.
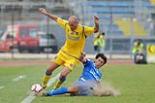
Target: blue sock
pixel 58 91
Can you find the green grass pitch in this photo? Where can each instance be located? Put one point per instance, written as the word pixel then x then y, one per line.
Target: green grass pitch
pixel 135 82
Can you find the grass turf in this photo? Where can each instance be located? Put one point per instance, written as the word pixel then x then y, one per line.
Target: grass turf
pixel 135 82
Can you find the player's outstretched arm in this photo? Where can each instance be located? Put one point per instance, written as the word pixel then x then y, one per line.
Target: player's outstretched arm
pixel 96 20
pixel 45 12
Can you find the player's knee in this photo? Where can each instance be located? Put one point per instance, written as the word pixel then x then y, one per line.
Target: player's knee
pixel 73 89
pixel 62 78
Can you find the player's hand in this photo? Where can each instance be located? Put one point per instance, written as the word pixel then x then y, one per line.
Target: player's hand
pixel 43 11
pixel 96 19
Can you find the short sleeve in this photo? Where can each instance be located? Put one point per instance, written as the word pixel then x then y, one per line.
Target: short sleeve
pixel 61 22
pixel 88 30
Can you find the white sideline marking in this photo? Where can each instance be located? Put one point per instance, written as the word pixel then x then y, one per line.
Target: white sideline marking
pixel 19 78
pixel 31 96
pixel 1 87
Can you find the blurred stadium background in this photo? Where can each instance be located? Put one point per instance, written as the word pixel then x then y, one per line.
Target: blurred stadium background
pixel 123 21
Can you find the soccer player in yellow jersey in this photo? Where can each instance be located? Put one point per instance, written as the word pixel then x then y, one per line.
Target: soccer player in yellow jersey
pixel 68 56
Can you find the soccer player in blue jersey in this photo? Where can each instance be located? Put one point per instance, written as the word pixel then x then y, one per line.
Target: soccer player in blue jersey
pixel 89 78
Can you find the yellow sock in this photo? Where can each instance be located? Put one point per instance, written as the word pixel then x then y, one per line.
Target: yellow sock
pixel 45 80
pixel 58 84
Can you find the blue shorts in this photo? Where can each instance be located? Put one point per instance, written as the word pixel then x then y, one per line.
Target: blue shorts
pixel 85 88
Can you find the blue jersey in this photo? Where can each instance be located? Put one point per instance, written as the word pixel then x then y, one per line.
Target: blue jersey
pixel 90 72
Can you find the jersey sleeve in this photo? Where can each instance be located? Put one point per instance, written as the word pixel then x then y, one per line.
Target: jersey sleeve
pixel 61 22
pixel 87 63
pixel 88 30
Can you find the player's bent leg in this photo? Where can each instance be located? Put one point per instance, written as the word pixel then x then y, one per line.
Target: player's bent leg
pixel 73 91
pixel 62 77
pixel 48 73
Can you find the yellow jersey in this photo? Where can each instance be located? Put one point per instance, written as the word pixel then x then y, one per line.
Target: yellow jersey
pixel 75 40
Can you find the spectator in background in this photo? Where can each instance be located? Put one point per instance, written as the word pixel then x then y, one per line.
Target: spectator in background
pixel 99 43
pixel 102 42
pixel 138 52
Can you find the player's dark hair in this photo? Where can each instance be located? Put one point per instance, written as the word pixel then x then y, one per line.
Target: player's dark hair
pixel 102 56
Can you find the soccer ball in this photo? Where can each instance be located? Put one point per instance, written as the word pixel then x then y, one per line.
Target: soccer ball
pixel 36 88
